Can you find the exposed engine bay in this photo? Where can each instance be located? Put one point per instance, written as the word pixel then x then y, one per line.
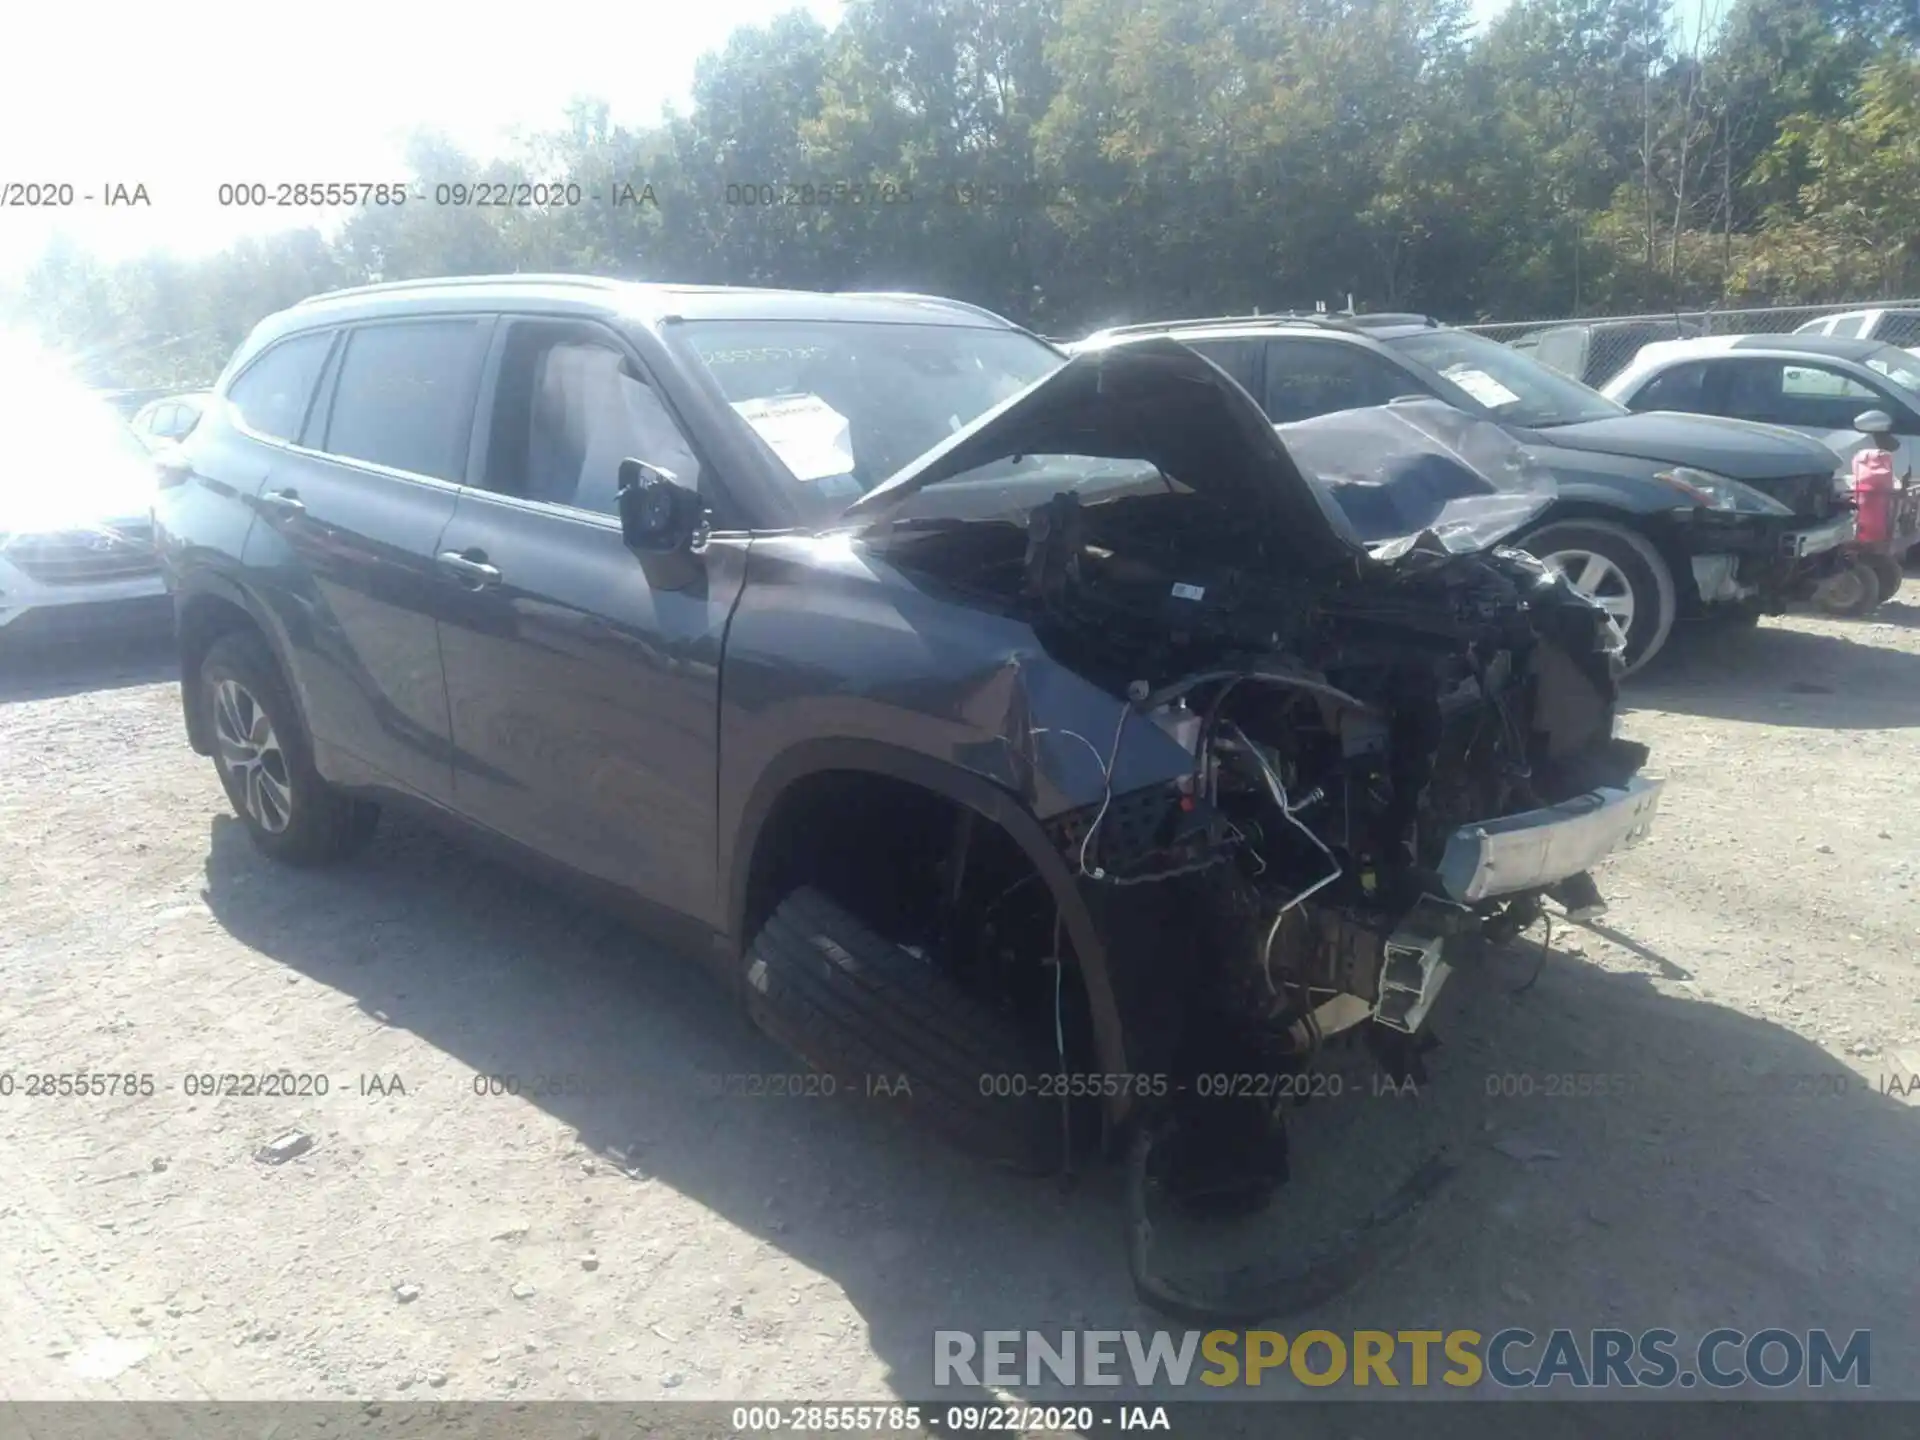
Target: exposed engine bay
pixel 1388 765
pixel 1352 739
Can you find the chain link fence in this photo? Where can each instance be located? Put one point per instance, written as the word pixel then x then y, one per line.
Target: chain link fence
pixel 1595 348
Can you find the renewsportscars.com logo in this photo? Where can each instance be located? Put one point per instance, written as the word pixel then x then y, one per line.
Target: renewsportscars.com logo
pixel 1512 1358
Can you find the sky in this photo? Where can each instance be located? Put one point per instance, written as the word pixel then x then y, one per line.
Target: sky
pixel 182 100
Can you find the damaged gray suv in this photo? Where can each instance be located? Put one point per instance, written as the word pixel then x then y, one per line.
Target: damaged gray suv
pixel 1029 734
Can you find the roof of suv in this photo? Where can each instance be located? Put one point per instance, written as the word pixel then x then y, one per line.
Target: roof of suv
pixel 648 301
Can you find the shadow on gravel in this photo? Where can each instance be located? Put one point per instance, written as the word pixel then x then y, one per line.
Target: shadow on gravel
pixel 1774 675
pixel 1632 1153
pixel 46 670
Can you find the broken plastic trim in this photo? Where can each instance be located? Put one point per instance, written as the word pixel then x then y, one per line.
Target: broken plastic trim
pixel 1260 1292
pixel 1411 975
pixel 1538 848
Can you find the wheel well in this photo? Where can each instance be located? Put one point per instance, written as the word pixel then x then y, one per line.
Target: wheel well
pixel 931 874
pixel 203 620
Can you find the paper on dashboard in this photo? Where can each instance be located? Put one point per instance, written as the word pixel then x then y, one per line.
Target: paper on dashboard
pixel 812 439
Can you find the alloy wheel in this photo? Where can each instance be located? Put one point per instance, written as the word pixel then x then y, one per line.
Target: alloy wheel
pixel 1601 581
pixel 251 752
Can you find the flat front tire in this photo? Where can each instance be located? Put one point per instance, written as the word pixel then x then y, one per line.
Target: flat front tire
pixel 1621 571
pixel 888 1024
pixel 265 763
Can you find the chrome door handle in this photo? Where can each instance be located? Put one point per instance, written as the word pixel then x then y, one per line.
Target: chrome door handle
pixel 287 502
pixel 464 567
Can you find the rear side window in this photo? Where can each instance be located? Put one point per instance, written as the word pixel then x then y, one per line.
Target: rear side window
pixel 1680 388
pixel 404 398
pixel 271 395
pixel 1849 328
pixel 1239 358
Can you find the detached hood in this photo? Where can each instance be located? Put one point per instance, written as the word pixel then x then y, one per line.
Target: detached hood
pixel 1738 449
pixel 1153 400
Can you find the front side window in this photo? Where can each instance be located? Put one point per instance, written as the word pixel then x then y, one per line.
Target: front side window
pixel 1817 382
pixel 1790 392
pixel 567 410
pixel 271 395
pixel 843 404
pixel 1849 328
pixel 402 400
pixel 1899 366
pixel 1503 383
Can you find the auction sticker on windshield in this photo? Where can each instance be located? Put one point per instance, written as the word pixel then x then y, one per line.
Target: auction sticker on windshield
pixel 1481 386
pixel 812 439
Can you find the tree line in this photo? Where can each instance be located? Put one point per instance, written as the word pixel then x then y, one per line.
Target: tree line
pixel 1071 163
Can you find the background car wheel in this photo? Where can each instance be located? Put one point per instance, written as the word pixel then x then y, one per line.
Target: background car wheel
pixel 1887 570
pixel 1619 569
pixel 1850 592
pixel 854 1005
pixel 266 765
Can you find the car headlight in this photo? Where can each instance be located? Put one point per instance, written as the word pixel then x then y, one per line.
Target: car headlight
pixel 1718 492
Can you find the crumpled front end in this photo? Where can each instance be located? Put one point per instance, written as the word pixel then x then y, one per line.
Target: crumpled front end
pixel 1324 768
pixel 1415 770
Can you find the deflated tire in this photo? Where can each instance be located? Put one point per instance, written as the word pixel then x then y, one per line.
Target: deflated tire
pixel 893 1027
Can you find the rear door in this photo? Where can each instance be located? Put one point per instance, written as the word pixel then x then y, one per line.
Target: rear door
pixel 584 681
pixel 344 546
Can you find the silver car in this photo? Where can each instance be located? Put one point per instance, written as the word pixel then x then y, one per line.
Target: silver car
pixel 1810 383
pixel 76 522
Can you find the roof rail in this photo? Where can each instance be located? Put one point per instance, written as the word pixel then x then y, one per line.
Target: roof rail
pixel 1325 319
pixel 971 308
pixel 453 282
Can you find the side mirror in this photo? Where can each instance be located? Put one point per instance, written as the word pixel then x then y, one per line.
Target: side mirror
pixel 658 515
pixel 1873 422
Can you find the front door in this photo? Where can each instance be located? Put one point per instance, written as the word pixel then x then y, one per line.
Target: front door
pixel 584 683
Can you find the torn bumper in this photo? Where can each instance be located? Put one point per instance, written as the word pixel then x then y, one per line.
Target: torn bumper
pixel 1538 848
pixel 1717 577
pixel 1801 544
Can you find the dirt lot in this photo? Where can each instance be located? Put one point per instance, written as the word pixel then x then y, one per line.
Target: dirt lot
pixel 638 1236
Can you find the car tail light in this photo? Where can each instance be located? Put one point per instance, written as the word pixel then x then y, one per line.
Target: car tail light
pixel 1873 496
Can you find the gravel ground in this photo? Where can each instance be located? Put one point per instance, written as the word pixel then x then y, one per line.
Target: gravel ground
pixel 1755 986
